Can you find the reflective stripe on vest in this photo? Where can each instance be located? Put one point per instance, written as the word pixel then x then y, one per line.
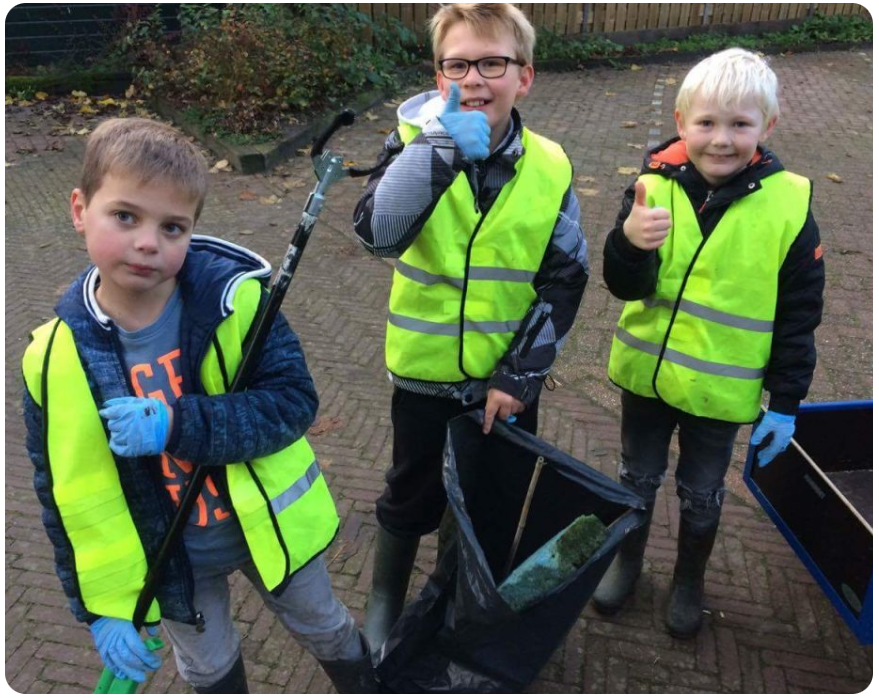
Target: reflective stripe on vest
pixel 461 289
pixel 702 341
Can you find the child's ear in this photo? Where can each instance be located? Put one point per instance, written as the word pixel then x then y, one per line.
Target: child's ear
pixel 679 122
pixel 77 208
pixel 769 128
pixel 526 79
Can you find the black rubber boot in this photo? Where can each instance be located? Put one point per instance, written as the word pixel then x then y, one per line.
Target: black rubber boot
pixel 618 582
pixel 233 682
pixel 684 614
pixel 394 558
pixel 353 675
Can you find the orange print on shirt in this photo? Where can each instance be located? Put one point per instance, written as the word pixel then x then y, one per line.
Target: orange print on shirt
pixel 139 374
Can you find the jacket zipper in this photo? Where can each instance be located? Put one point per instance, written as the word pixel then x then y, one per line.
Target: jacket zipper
pixel 707 199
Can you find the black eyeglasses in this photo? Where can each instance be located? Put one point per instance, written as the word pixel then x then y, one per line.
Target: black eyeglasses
pixel 488 67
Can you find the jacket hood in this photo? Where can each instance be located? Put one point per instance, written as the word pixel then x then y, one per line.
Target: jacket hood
pixel 669 157
pixel 418 110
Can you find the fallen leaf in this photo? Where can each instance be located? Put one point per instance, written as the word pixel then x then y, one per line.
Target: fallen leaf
pixel 385 131
pixel 42 96
pixel 269 200
pixel 392 104
pixel 130 92
pixel 44 245
pixel 289 184
pixel 588 192
pixel 9 164
pixel 25 103
pixel 629 124
pixel 833 177
pixel 637 146
pixel 349 163
pixel 78 94
pixel 671 81
pixel 108 102
pixel 304 151
pixel 9 100
pixel 248 195
pixel 86 109
pixel 245 232
pixel 369 116
pixel 585 178
pixel 636 67
pixel 83 131
pixel 323 425
pixel 610 94
pixel 221 166
pixel 628 170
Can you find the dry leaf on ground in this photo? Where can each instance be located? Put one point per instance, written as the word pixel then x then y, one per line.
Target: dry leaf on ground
pixel 636 67
pixel 269 200
pixel 629 124
pixel 833 177
pixel 323 425
pixel 628 170
pixel 588 192
pixel 248 195
pixel 637 146
pixel 585 178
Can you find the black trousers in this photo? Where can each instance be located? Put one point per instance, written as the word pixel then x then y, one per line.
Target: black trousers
pixel 414 500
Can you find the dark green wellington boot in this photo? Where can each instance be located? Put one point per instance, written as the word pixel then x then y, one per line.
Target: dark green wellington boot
pixel 618 582
pixel 684 614
pixel 394 558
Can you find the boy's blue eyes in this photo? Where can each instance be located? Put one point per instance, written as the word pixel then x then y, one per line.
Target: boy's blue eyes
pixel 128 219
pixel 737 124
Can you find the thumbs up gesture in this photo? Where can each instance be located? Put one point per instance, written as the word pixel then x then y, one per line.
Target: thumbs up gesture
pixel 469 129
pixel 646 227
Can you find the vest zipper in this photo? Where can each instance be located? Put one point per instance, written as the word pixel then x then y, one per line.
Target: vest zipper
pixel 707 199
pixel 464 294
pixel 473 176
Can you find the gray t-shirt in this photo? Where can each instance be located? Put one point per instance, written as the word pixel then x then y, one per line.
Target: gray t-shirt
pixel 152 358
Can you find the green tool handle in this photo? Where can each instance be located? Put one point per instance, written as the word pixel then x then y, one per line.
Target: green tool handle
pixel 110 683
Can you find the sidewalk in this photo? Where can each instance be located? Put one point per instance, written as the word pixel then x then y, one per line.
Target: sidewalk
pixel 769 628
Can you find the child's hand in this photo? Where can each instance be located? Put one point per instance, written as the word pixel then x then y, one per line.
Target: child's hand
pixel 781 428
pixel 139 426
pixel 646 228
pixel 501 405
pixel 469 129
pixel 122 650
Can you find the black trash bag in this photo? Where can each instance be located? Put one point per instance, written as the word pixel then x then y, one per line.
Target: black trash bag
pixel 460 636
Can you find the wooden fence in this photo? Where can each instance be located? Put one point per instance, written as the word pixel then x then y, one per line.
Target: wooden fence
pixel 600 18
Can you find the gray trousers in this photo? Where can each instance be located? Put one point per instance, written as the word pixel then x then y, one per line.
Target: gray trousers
pixel 706 447
pixel 307 608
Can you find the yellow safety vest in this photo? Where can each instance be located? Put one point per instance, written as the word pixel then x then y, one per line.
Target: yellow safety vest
pixel 702 341
pixel 282 501
pixel 461 289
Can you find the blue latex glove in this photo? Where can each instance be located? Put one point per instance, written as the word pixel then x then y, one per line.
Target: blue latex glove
pixel 138 425
pixel 780 427
pixel 469 129
pixel 122 650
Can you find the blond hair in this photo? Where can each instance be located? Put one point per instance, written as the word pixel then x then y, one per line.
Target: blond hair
pixel 487 20
pixel 149 150
pixel 729 78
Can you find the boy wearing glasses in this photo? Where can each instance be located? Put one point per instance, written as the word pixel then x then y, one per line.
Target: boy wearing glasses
pixel 491 269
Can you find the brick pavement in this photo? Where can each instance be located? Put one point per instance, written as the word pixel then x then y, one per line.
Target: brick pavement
pixel 769 628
